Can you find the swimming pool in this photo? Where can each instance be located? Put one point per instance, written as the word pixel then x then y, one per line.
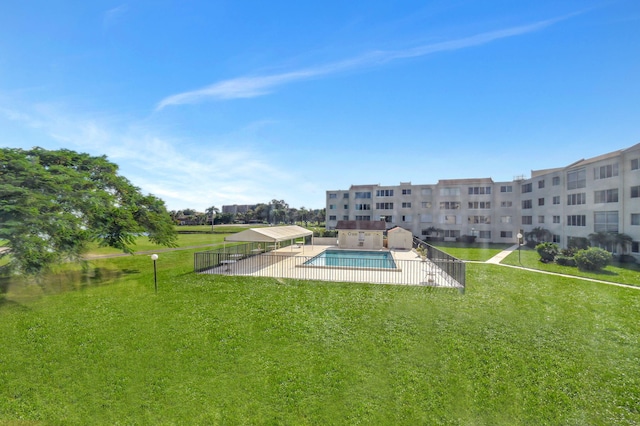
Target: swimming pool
pixel 353 259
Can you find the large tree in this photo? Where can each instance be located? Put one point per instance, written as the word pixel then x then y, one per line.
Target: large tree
pixel 53 203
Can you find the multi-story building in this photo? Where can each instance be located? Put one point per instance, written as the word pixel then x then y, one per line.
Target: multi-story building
pixel 600 194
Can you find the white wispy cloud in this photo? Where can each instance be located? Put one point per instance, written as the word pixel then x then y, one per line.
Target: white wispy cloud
pixel 113 15
pixel 161 164
pixel 250 87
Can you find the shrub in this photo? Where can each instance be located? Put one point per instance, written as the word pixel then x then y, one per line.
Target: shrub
pixel 547 251
pixel 578 243
pixel 593 259
pixel 565 260
pixel 569 251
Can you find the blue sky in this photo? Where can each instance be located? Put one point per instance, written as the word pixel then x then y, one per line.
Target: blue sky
pixel 211 102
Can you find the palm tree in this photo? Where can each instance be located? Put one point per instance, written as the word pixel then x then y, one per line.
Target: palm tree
pixel 623 241
pixel 601 239
pixel 212 211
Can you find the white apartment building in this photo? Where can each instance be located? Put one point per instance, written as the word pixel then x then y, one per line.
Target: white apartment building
pixel 588 196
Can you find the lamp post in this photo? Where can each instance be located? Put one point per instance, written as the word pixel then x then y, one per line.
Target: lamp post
pixel 519 245
pixel 154 257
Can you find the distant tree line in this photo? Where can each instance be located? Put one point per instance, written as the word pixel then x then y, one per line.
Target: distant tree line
pixel 275 212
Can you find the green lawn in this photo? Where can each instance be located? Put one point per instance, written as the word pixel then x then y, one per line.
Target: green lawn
pixel 475 252
pixel 518 348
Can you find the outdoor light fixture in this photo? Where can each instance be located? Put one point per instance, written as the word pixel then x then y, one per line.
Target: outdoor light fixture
pixel 154 257
pixel 519 245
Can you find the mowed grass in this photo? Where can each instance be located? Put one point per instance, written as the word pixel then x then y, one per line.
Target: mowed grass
pixel 624 273
pixel 475 252
pixel 518 348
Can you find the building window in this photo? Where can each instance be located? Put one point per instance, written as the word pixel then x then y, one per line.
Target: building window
pixel 345 217
pixel 506 204
pixel 450 233
pixel 332 206
pixel 346 206
pixel 555 181
pixel 506 188
pixel 333 196
pixel 635 191
pixel 332 218
pixel 577 179
pixel 575 199
pixel 540 184
pixel 479 204
pixel 555 238
pixel 541 201
pixel 506 234
pixel 426 218
pixel 479 190
pixel 451 192
pixel 388 219
pixel 635 218
pixel 604 172
pixel 527 204
pixel 605 221
pixel 363 194
pixel 449 205
pixel 606 196
pixel 556 199
pixel 527 187
pixel 505 219
pixel 635 247
pixel 484 234
pixel 425 191
pixel 527 220
pixel 540 219
pixel 365 218
pixel 426 204
pixel 450 219
pixel 363 206
pixel 577 220
pixel 345 195
pixel 556 219
pixel 384 206
pixel 635 164
pixel 479 219
pixel 406 205
pixel 384 192
pixel 406 192
pixel 407 218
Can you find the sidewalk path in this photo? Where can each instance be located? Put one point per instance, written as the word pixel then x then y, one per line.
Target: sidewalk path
pixel 500 257
pixel 504 253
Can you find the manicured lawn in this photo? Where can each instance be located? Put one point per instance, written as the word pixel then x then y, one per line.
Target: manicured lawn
pixel 475 252
pixel 517 348
pixel 625 273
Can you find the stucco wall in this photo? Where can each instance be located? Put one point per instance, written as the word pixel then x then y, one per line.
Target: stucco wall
pixel 367 240
pixel 400 239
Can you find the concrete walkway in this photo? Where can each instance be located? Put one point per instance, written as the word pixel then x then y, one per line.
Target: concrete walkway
pixel 498 258
pixel 504 253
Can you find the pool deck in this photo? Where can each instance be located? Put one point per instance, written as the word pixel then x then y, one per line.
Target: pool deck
pixel 288 262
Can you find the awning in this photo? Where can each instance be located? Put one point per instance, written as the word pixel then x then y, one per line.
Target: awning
pixel 272 234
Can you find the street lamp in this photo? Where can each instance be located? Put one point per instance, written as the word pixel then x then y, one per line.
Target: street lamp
pixel 519 245
pixel 154 257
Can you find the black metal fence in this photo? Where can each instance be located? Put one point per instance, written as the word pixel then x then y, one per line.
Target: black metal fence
pixel 451 265
pixel 252 260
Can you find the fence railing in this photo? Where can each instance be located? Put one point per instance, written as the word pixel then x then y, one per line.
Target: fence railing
pixel 252 260
pixel 451 265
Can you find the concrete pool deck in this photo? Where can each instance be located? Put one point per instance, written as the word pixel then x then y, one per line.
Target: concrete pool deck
pixel 288 262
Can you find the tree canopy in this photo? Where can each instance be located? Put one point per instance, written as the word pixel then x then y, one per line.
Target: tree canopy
pixel 53 203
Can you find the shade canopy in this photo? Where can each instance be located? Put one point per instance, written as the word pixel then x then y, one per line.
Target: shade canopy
pixel 272 234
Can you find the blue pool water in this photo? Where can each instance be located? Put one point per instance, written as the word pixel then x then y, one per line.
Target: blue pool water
pixel 353 259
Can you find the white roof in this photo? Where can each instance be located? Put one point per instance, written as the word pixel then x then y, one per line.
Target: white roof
pixel 270 234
